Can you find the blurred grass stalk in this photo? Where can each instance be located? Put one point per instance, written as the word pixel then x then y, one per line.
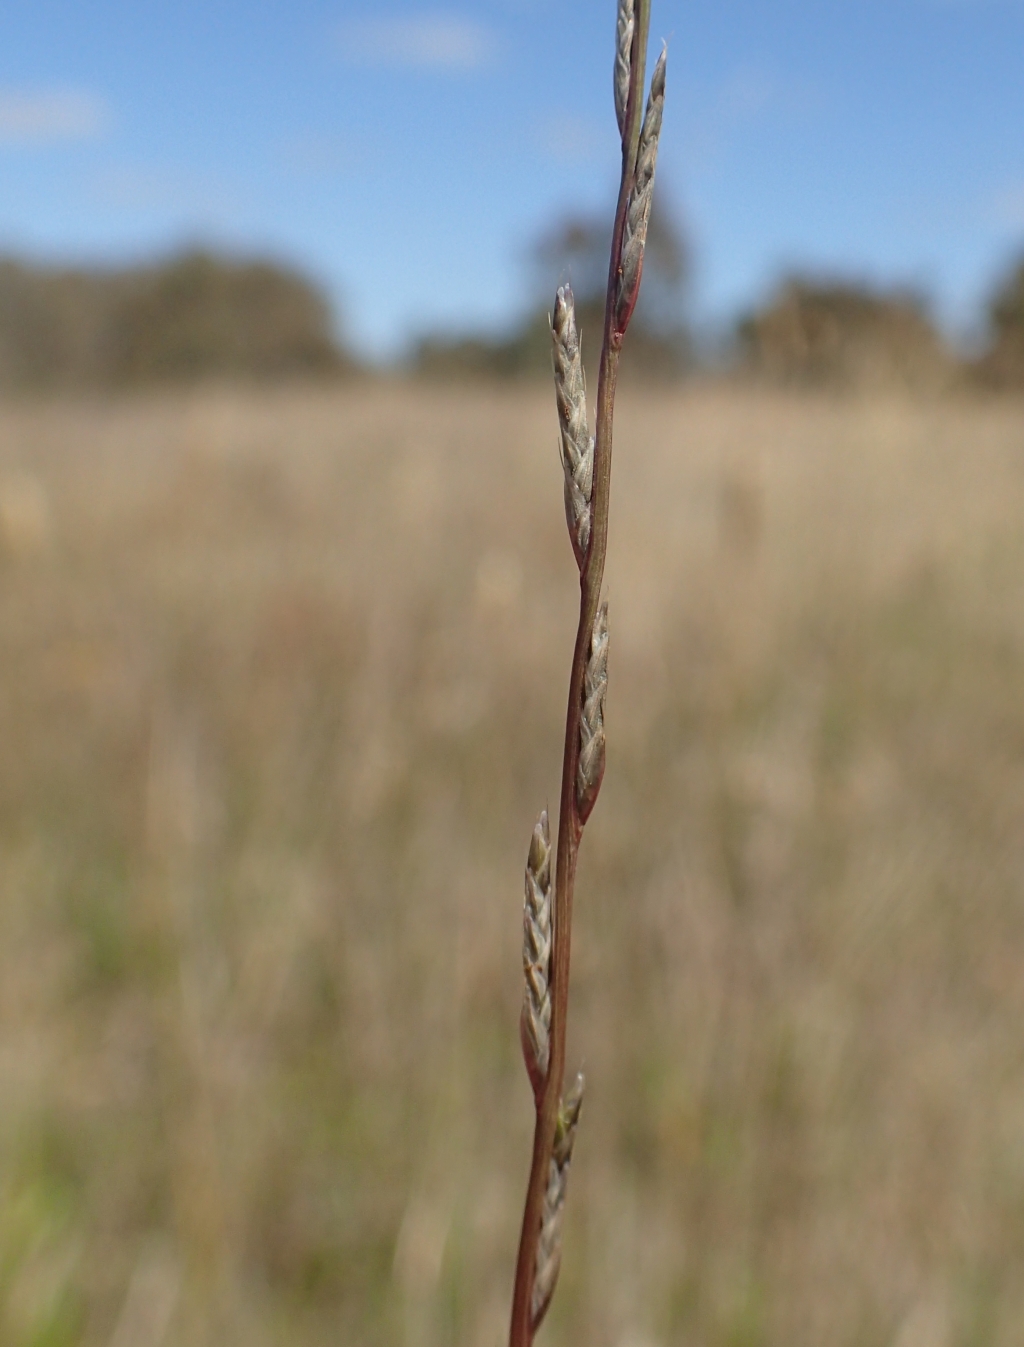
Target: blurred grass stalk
pixel 587 470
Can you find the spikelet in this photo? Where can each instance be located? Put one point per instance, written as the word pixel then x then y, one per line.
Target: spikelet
pixel 535 1020
pixel 638 209
pixel 576 448
pixel 590 768
pixel 623 53
pixel 549 1246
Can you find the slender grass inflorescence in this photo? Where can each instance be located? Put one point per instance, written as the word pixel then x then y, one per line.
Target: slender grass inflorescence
pixel 586 465
pixel 536 1017
pixel 590 768
pixel 549 1245
pixel 623 55
pixel 638 212
pixel 575 445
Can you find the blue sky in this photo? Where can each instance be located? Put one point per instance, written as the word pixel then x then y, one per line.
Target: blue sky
pixel 406 153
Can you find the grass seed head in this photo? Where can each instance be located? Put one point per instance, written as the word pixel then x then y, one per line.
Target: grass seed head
pixel 576 447
pixel 590 768
pixel 623 52
pixel 549 1247
pixel 535 1021
pixel 638 211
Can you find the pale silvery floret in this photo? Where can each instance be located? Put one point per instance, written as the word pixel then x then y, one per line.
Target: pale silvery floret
pixel 590 768
pixel 536 1016
pixel 638 209
pixel 549 1246
pixel 623 52
pixel 576 448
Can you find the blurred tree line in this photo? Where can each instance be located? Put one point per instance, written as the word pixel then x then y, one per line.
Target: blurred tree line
pixel 1002 365
pixel 575 251
pixel 195 315
pixel 809 332
pixel 822 334
pixel 832 335
pixel 199 315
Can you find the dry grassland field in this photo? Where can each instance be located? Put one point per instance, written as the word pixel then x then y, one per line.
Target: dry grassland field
pixel 282 680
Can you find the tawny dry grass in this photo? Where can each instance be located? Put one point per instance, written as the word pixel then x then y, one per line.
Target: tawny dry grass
pixel 281 689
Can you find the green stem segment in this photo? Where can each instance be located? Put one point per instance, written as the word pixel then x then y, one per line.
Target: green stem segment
pixel 570 829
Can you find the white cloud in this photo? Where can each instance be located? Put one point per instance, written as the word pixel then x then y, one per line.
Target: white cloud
pixel 43 117
pixel 428 41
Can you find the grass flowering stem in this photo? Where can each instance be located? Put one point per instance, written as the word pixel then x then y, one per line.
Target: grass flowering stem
pixel 570 827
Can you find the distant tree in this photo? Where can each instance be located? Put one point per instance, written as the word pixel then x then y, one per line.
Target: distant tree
pixel 1002 365
pixel 525 352
pixel 51 326
pixel 576 251
pixel 835 335
pixel 201 315
pixel 194 316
